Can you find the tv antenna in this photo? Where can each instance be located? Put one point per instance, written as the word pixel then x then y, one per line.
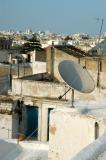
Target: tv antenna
pixel 99 54
pixel 77 77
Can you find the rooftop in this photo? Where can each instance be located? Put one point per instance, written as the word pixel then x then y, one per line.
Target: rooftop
pixel 72 50
pixel 89 108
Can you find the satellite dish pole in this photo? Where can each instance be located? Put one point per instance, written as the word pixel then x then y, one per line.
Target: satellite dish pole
pixel 72 96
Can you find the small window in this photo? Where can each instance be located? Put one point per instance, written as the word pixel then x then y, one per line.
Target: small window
pixel 96 130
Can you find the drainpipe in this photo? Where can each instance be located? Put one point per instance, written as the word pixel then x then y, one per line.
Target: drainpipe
pixel 10 61
pixel 18 68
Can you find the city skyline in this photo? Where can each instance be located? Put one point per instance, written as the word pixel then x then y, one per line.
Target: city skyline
pixel 61 17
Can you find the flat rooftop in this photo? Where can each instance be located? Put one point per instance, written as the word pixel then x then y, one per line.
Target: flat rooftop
pixel 89 108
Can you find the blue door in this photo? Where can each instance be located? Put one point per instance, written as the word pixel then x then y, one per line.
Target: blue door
pixel 32 121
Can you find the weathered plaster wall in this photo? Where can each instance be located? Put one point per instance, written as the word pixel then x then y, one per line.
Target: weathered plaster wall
pixel 54 90
pixel 44 119
pixel 56 56
pixel 90 63
pixel 43 106
pixel 37 88
pixel 24 69
pixel 8 126
pixel 53 60
pixel 38 67
pixel 70 132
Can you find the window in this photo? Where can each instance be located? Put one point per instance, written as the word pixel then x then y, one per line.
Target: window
pixel 96 130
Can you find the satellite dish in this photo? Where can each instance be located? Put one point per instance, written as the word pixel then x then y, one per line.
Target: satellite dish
pixel 76 76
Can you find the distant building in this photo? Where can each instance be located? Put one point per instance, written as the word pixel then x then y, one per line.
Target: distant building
pixel 5 44
pixel 99 49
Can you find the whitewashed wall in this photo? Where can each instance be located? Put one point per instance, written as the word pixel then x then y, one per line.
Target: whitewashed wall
pixel 43 106
pixel 8 126
pixel 51 90
pixel 70 132
pixel 38 67
pixel 37 88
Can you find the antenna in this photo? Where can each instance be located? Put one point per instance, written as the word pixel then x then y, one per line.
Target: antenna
pixel 101 27
pixel 100 33
pixel 76 76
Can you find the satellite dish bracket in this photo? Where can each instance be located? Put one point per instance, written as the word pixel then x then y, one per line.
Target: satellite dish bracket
pixel 60 97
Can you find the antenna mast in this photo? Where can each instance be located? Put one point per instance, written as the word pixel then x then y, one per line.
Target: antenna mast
pixel 99 54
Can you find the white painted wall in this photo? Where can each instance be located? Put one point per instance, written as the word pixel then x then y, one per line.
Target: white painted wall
pixel 37 88
pixel 43 106
pixel 8 126
pixel 44 119
pixel 51 90
pixel 38 67
pixel 70 132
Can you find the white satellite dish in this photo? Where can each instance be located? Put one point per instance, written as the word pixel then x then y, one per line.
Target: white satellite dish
pixel 76 76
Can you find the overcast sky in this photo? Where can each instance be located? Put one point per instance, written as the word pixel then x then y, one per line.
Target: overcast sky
pixel 58 16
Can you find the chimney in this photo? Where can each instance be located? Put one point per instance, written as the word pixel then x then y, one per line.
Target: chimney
pixel 50 60
pixel 33 55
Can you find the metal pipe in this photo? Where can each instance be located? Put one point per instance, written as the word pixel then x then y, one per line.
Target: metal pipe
pixel 99 54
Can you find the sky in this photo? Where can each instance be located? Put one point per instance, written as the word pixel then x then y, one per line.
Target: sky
pixel 57 16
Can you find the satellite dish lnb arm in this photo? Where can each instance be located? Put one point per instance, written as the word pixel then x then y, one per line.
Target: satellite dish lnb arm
pixel 60 97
